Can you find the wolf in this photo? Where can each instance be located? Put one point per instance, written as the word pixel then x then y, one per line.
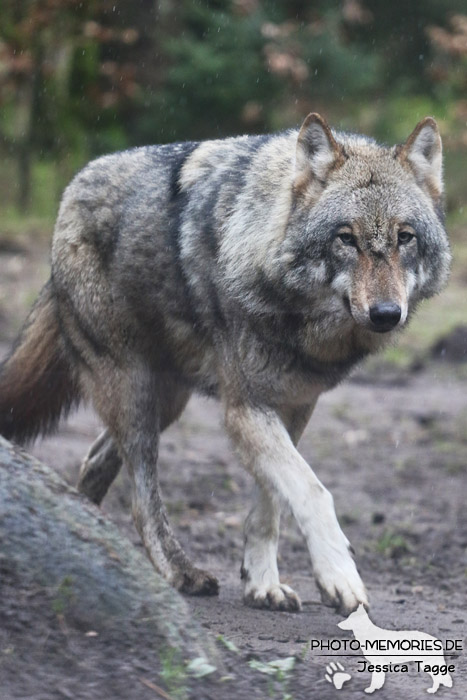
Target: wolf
pixel 369 636
pixel 256 269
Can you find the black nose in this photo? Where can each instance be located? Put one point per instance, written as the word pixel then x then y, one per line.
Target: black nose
pixel 385 316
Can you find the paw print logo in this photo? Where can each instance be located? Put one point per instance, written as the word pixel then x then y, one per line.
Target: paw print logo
pixel 336 675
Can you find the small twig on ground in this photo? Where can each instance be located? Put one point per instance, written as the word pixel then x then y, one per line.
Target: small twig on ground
pixel 156 689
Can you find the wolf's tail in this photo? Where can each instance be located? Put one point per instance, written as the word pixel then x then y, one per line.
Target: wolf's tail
pixel 37 383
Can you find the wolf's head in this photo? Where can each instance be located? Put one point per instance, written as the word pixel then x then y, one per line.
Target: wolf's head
pixel 366 226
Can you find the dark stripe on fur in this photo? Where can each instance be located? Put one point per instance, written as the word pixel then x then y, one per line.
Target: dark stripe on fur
pixel 70 348
pixel 176 209
pixel 178 159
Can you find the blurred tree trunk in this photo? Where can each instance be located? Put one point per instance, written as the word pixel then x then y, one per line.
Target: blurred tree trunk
pixel 29 99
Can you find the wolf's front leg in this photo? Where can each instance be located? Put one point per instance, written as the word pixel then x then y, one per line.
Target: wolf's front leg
pixel 259 569
pixel 268 452
pixel 263 588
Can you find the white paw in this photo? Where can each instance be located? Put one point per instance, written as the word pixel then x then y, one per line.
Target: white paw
pixel 273 597
pixel 335 572
pixel 340 584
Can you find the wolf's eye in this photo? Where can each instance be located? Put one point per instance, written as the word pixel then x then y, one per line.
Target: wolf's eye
pixel 405 237
pixel 347 238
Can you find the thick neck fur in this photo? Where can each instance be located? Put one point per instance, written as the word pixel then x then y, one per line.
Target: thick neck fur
pixel 263 273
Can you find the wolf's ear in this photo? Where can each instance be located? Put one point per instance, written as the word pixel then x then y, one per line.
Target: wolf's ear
pixel 317 150
pixel 423 152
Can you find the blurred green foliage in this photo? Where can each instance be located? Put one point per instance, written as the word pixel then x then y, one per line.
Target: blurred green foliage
pixel 83 77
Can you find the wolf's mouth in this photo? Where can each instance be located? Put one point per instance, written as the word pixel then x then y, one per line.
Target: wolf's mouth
pixel 381 330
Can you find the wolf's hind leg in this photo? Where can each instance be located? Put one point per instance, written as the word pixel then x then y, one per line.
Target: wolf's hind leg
pixel 131 403
pixel 103 462
pixel 99 468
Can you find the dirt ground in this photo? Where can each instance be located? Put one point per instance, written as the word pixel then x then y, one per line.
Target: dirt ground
pixel 390 444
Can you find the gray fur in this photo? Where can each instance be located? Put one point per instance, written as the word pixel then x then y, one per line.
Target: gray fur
pixel 222 267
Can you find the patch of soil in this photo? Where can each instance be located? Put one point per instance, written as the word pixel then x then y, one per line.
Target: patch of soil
pixel 395 459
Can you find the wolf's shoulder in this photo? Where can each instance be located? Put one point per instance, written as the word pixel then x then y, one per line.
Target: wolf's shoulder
pixel 139 162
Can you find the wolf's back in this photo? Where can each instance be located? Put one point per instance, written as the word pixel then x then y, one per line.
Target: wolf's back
pixel 37 382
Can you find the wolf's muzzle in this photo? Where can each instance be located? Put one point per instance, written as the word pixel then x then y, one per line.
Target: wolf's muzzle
pixel 385 316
